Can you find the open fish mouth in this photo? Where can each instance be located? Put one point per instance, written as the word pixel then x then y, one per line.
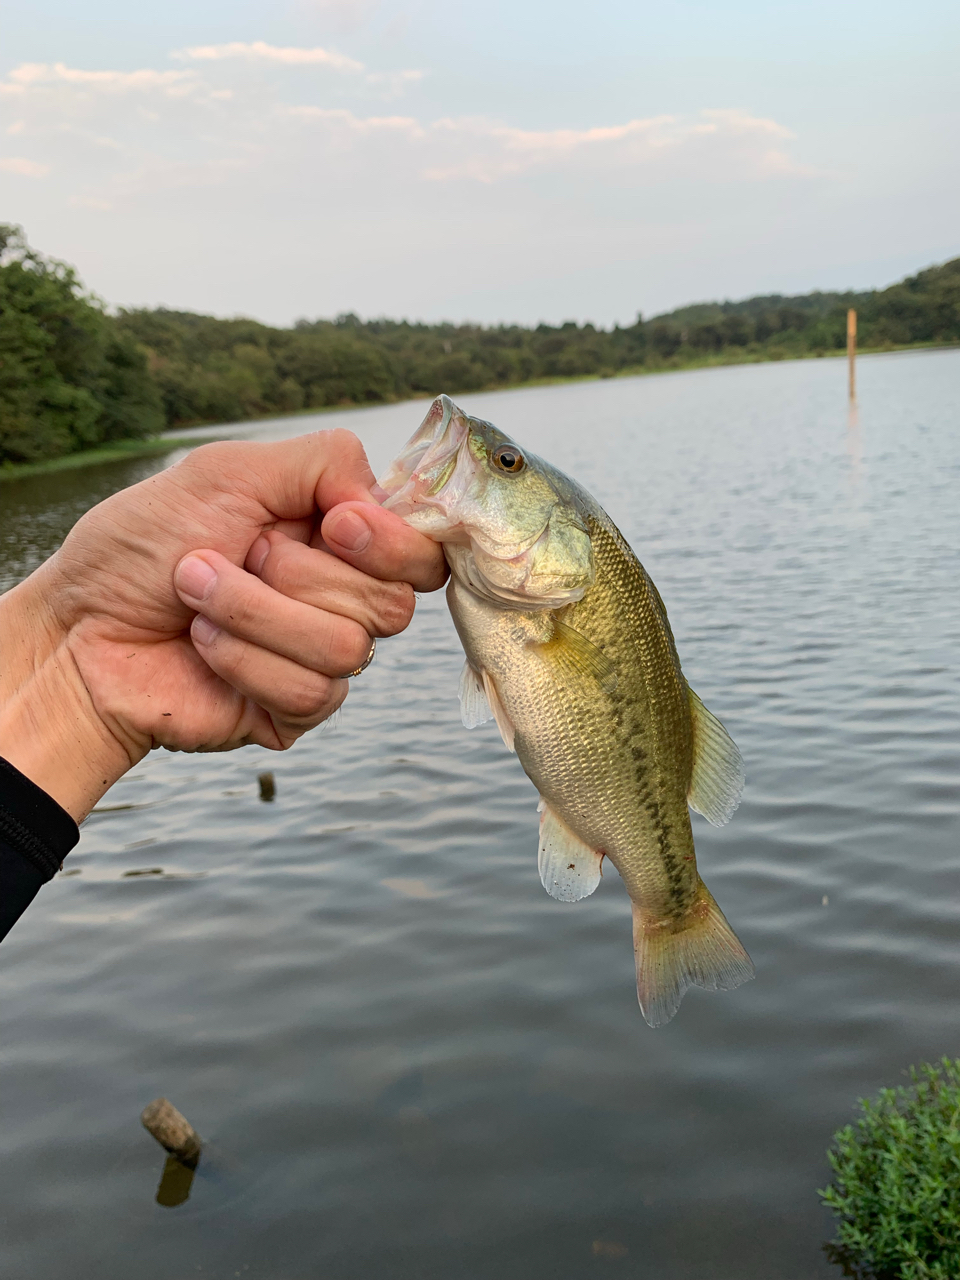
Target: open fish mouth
pixel 421 473
pixel 437 484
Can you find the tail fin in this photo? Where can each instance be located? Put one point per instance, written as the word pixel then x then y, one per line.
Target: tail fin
pixel 703 951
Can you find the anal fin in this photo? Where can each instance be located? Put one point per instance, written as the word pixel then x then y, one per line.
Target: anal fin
pixel 569 869
pixel 474 707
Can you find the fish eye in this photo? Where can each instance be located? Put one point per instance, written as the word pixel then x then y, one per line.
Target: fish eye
pixel 509 458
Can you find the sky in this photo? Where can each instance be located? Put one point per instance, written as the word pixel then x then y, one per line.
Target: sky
pixel 511 160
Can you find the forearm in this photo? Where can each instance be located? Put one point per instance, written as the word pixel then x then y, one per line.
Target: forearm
pixel 49 728
pixel 35 837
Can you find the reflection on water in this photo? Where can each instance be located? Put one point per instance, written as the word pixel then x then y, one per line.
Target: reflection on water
pixel 175 1182
pixel 38 511
pixel 414 1063
pixel 855 446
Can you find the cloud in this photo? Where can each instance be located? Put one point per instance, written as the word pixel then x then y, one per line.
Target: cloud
pixel 720 143
pixel 28 168
pixel 30 75
pixel 259 51
pixel 167 180
pixel 394 80
pixel 344 122
pixel 501 151
pixel 185 130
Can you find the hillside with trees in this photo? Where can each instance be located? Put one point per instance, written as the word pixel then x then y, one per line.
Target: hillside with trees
pixel 73 376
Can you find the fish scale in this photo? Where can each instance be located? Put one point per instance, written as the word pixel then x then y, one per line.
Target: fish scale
pixel 633 809
pixel 569 647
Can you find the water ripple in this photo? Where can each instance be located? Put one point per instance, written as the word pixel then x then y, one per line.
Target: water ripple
pixel 406 1059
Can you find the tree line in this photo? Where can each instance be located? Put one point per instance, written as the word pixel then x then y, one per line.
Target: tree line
pixel 73 376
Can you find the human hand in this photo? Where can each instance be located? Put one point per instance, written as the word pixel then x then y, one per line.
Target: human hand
pixel 218 603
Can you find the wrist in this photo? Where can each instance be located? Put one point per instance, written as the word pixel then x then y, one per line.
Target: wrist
pixel 49 727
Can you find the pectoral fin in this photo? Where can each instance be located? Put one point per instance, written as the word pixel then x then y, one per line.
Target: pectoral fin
pixel 569 869
pixel 573 653
pixel 717 781
pixel 474 707
pixel 496 706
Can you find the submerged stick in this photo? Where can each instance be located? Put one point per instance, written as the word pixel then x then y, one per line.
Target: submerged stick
pixel 172 1130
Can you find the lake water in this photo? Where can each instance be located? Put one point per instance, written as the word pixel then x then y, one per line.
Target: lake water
pixel 408 1062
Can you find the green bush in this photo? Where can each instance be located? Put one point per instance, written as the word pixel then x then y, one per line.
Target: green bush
pixel 896 1189
pixel 69 379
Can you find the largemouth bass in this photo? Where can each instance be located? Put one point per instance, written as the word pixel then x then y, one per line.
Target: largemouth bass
pixel 569 649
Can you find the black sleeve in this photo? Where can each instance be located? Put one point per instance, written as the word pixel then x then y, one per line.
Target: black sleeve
pixel 35 837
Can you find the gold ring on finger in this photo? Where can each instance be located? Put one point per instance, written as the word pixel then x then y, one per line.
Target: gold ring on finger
pixel 365 663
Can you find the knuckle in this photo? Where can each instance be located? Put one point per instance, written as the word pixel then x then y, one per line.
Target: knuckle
pixel 304 700
pixel 209 458
pixel 281 570
pixel 351 646
pixel 394 607
pixel 233 606
pixel 347 444
pixel 232 659
pixel 436 575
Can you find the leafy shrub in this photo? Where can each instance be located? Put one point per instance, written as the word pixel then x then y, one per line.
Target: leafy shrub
pixel 69 379
pixel 896 1190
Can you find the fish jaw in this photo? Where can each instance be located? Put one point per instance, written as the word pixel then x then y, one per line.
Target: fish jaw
pixel 438 484
pixel 427 478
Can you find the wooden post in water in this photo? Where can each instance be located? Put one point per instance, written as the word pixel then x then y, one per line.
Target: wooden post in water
pixel 852 353
pixel 177 1135
pixel 172 1130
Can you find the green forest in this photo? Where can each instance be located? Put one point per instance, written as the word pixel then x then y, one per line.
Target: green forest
pixel 73 376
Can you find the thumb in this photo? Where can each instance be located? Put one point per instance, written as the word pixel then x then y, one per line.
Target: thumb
pixel 292 478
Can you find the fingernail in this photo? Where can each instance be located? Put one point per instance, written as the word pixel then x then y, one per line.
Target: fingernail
pixel 257 554
pixel 348 530
pixel 203 630
pixel 195 578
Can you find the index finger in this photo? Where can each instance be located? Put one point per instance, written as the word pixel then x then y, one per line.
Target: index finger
pixel 380 544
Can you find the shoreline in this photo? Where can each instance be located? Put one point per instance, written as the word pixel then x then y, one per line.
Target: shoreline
pixel 117 451
pixel 121 450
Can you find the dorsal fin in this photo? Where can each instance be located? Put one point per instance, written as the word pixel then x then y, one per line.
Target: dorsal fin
pixel 716 783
